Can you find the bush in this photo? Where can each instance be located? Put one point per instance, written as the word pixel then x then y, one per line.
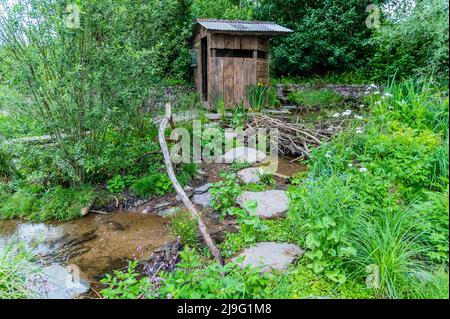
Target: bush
pixel 7 169
pixel 415 44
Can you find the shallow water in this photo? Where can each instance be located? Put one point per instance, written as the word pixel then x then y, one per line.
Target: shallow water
pixel 95 243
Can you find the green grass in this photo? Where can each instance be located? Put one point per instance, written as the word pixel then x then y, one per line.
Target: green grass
pixel 312 99
pixel 16 271
pixel 53 204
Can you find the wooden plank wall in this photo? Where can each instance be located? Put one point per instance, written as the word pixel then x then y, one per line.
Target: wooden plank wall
pixel 228 76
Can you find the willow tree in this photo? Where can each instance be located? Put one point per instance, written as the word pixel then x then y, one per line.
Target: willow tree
pixel 85 68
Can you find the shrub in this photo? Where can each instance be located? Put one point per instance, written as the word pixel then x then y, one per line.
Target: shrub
pixel 7 169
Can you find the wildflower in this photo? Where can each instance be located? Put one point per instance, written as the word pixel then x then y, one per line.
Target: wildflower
pixel 347 113
pixel 328 155
pixel 372 86
pixel 358 117
pixel 378 103
pixel 336 115
pixel 367 92
pixel 377 93
pixel 363 170
pixel 362 106
pixel 350 165
pixel 388 95
pixel 359 130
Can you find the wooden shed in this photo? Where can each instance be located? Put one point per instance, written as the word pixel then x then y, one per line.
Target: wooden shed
pixel 229 55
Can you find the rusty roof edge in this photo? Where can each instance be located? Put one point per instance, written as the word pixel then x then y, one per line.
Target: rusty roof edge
pixel 207 20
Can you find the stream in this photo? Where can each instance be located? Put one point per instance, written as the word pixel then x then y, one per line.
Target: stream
pixel 97 244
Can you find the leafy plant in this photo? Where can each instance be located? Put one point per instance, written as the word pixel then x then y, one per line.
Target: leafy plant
pixel 257 97
pixel 195 279
pixel 323 210
pixel 185 227
pixel 153 184
pixel 118 183
pixel 225 192
pixel 127 285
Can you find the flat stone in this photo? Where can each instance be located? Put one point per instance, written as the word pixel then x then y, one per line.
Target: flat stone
pixel 250 175
pixel 162 205
pixel 270 256
pixel 241 155
pixel 277 112
pixel 203 200
pixel 231 135
pixel 202 189
pixel 169 212
pixel 271 203
pixel 56 282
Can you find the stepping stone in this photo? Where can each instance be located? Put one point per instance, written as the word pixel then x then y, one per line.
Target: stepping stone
pixel 203 200
pixel 241 155
pixel 169 212
pixel 270 256
pixel 56 282
pixel 271 204
pixel 250 175
pixel 202 189
pixel 162 205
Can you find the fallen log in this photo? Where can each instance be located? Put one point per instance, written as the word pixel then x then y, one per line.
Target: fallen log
pixel 186 201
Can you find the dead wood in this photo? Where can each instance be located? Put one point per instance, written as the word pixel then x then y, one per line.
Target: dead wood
pixel 186 201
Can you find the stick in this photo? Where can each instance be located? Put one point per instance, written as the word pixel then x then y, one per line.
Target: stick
pixel 186 201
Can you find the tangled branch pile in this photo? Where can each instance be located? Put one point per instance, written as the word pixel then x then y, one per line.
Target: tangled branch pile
pixel 294 138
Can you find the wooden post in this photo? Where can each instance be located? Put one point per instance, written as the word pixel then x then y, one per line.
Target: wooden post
pixel 186 201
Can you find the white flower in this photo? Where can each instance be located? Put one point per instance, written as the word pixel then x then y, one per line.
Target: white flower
pixel 347 113
pixel 388 95
pixel 359 130
pixel 373 86
pixel 377 93
pixel 358 117
pixel 367 92
pixel 328 155
pixel 378 103
pixel 350 165
pixel 363 170
pixel 336 114
pixel 362 106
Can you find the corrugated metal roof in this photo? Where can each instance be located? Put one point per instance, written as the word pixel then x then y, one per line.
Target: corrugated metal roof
pixel 242 26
